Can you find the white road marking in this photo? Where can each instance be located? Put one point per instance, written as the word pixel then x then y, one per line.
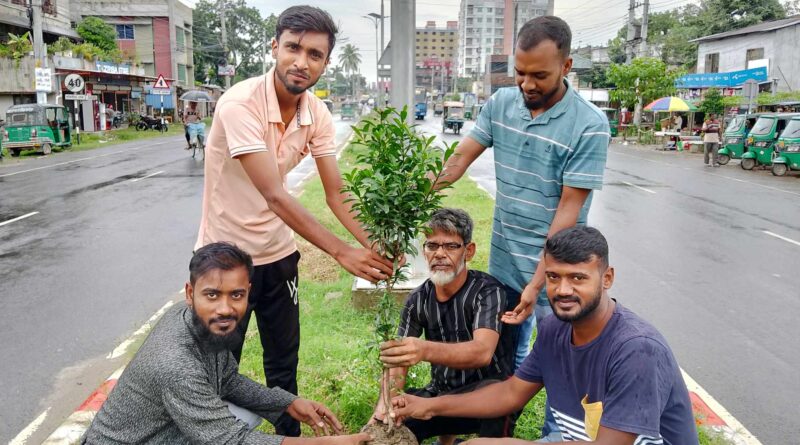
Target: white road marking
pixel 640 188
pixel 739 430
pixel 26 433
pixel 788 240
pixel 148 176
pixel 123 347
pixel 18 218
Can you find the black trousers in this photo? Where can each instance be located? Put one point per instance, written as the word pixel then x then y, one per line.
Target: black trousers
pixel 442 426
pixel 273 299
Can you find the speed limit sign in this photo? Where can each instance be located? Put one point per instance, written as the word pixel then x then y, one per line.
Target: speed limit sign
pixel 74 83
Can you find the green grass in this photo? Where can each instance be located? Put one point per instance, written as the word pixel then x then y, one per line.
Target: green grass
pixel 336 367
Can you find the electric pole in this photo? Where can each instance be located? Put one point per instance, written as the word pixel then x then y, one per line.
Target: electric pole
pixel 39 53
pixel 645 19
pixel 631 33
pixel 224 40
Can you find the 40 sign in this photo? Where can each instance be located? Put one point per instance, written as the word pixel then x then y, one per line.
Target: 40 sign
pixel 74 83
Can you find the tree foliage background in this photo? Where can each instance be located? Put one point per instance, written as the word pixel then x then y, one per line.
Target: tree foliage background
pixel 647 77
pixel 247 33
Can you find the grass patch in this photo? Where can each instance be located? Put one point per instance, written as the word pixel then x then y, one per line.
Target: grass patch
pixel 336 367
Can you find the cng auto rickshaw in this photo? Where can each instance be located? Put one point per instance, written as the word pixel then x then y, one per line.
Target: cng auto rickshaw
pixel 35 126
pixel 453 116
pixel 733 140
pixel 761 139
pixel 438 108
pixel 612 114
pixel 788 148
pixel 348 110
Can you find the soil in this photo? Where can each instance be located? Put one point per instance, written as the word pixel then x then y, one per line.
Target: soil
pixel 317 265
pixel 396 436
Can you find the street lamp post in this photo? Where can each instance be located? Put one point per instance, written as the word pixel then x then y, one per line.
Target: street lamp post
pixel 375 18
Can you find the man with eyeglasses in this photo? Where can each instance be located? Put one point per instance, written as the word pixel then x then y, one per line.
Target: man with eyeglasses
pixel 459 312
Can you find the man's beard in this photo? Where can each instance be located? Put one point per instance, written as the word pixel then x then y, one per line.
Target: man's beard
pixel 215 342
pixel 585 310
pixel 540 103
pixel 293 89
pixel 443 277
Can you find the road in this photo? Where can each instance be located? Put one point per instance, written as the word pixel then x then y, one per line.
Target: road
pixel 709 256
pixel 103 241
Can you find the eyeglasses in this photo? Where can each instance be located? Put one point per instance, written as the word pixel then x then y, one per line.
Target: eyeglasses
pixel 433 247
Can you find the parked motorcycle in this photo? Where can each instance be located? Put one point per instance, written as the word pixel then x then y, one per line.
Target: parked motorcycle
pixel 151 123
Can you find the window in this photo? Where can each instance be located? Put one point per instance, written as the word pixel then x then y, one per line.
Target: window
pixel 180 39
pixel 488 9
pixel 712 63
pixel 755 54
pixel 125 32
pixel 181 73
pixel 478 9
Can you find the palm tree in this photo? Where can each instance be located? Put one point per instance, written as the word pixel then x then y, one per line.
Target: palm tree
pixel 350 59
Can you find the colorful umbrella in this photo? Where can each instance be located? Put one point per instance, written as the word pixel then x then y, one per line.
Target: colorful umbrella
pixel 670 104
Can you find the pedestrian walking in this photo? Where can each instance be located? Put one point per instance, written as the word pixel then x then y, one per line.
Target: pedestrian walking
pixel 263 127
pixel 550 148
pixel 711 137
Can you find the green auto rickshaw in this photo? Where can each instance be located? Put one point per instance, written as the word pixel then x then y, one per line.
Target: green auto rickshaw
pixel 453 116
pixel 733 140
pixel 612 114
pixel 36 127
pixel 761 140
pixel 349 110
pixel 788 147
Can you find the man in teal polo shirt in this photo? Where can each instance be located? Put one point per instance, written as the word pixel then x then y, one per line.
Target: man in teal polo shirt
pixel 550 149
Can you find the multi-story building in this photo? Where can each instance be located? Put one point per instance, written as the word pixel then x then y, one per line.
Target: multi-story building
pixel 155 34
pixel 490 28
pixel 56 18
pixel 436 56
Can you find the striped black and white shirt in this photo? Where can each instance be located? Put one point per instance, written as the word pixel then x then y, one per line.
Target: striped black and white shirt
pixel 477 305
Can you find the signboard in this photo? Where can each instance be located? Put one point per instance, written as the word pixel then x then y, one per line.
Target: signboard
pixel 74 83
pixel 159 91
pixel 226 70
pixel 730 79
pixel 80 97
pixel 322 94
pixel 44 80
pixel 161 83
pixel 112 68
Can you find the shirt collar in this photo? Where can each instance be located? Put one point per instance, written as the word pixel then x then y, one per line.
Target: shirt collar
pixel 273 107
pixel 555 111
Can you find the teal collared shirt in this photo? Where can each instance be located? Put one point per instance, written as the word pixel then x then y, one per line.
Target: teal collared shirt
pixel 534 158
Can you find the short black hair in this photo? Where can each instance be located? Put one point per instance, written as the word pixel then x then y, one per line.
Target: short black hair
pixel 224 256
pixel 578 244
pixel 304 18
pixel 453 221
pixel 546 27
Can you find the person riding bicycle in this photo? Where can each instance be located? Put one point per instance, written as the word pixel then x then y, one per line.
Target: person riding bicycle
pixel 190 116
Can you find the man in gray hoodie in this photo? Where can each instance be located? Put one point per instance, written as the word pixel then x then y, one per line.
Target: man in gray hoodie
pixel 183 386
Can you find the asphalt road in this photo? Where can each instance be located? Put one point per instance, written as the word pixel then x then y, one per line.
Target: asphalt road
pixel 108 245
pixel 710 257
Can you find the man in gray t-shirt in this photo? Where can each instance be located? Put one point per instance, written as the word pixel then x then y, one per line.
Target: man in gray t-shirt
pixel 183 385
pixel 610 376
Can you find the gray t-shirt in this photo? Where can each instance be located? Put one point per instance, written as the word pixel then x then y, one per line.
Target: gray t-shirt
pixel 626 379
pixel 172 393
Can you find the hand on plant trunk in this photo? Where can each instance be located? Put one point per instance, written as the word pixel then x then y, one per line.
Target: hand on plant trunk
pixel 524 309
pixel 405 352
pixel 315 415
pixel 365 263
pixel 407 406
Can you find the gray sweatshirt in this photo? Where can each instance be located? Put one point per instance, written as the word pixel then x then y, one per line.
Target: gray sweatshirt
pixel 172 393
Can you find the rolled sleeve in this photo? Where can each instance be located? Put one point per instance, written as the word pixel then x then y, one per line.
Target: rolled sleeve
pixel 323 141
pixel 586 163
pixel 482 131
pixel 244 129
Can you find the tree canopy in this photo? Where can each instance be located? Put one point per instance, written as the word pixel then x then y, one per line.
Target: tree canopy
pixel 99 33
pixel 647 77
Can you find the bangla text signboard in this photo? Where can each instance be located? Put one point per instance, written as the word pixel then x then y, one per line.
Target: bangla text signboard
pixel 730 79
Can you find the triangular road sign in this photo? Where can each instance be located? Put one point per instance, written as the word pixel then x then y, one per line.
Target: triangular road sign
pixel 161 83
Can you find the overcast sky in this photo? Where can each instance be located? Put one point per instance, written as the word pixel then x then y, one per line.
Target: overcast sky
pixel 592 21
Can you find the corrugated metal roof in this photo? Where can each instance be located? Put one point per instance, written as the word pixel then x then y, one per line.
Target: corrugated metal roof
pixel 761 27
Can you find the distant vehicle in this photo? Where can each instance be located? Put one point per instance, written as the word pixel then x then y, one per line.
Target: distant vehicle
pixel 349 110
pixel 733 140
pixel 788 148
pixel 453 116
pixel 328 103
pixel 612 114
pixel 420 110
pixel 34 126
pixel 438 108
pixel 762 138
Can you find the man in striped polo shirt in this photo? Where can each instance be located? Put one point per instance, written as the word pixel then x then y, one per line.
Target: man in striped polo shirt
pixel 459 312
pixel 550 149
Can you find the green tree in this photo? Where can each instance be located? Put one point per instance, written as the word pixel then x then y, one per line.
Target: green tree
pixel 712 102
pixel 350 59
pixel 647 78
pixel 99 33
pixel 596 76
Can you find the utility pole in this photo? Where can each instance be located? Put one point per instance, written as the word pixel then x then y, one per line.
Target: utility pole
pixel 264 53
pixel 403 15
pixel 224 39
pixel 631 33
pixel 39 53
pixel 645 19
